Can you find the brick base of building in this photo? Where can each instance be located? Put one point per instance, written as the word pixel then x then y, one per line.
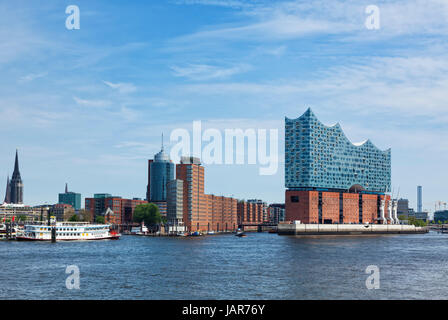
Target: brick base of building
pixel 329 207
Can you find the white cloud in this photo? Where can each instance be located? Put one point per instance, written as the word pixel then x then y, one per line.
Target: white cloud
pixel 33 76
pixel 91 103
pixel 286 20
pixel 207 72
pixel 121 87
pixel 413 86
pixel 219 3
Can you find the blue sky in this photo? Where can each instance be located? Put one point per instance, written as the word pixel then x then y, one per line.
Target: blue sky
pixel 88 106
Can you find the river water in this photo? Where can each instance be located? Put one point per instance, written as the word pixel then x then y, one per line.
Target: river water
pixel 260 266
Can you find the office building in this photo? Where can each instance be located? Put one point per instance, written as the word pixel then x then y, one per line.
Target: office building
pixel 331 180
pixel 160 172
pixel 403 207
pixel 201 212
pixel 250 213
pixel 441 216
pixel 115 209
pixel 191 172
pixel 71 198
pixel 175 200
pixel 276 213
pixel 62 211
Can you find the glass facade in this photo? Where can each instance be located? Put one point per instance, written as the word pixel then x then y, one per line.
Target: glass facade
pixel 317 156
pixel 162 171
pixel 71 198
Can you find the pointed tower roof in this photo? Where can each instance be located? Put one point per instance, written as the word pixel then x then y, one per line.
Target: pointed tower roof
pixel 162 156
pixel 16 173
pixel 8 191
pixel 66 187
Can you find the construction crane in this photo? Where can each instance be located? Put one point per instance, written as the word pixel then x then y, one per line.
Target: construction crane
pixel 440 204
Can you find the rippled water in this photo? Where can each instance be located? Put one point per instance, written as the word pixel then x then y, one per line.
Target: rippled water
pixel 260 266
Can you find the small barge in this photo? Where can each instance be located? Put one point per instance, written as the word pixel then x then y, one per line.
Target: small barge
pixel 347 229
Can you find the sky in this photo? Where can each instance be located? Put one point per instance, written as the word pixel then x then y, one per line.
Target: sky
pixel 88 107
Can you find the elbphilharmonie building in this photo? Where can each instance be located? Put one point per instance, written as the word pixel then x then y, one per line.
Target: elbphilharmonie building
pixel 332 180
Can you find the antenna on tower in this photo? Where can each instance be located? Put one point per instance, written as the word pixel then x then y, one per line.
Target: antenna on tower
pixel 162 141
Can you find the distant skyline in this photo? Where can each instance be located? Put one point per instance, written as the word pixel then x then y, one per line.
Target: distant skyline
pixel 87 107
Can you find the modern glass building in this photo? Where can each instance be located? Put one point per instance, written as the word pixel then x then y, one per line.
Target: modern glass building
pixel 71 198
pixel 322 157
pixel 161 171
pixel 332 180
pixel 441 216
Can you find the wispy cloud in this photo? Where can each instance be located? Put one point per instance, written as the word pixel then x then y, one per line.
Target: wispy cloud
pixel 207 72
pixel 219 3
pixel 121 87
pixel 286 20
pixel 33 76
pixel 91 102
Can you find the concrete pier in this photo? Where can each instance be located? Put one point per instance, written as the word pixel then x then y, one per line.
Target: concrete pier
pixel 347 229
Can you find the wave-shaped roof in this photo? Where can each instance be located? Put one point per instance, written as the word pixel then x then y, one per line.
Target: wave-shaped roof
pixel 310 114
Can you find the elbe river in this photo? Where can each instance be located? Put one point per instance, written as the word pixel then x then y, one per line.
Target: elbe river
pixel 260 266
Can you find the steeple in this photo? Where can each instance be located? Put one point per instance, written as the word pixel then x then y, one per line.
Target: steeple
pixel 66 187
pixel 16 184
pixel 8 191
pixel 16 173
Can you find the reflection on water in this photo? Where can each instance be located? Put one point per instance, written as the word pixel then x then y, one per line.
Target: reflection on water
pixel 261 266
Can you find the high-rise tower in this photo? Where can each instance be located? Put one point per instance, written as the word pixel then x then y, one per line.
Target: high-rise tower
pixel 160 172
pixel 16 184
pixel 419 199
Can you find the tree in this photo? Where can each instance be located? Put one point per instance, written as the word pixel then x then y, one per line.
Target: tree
pixel 21 217
pixel 417 222
pixel 148 213
pixel 100 220
pixel 85 215
pixel 74 218
pixel 402 217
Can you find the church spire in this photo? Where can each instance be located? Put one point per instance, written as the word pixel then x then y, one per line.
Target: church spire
pixel 16 173
pixel 16 184
pixel 8 191
pixel 66 187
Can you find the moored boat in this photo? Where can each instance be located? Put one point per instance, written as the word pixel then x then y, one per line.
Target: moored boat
pixel 140 231
pixel 68 231
pixel 13 232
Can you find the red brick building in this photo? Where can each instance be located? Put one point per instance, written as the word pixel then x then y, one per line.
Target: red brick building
pixel 120 211
pixel 334 207
pixel 204 212
pixel 250 213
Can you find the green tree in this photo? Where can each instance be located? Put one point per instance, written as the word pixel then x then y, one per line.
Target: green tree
pixel 100 220
pixel 148 213
pixel 417 222
pixel 21 217
pixel 402 217
pixel 74 218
